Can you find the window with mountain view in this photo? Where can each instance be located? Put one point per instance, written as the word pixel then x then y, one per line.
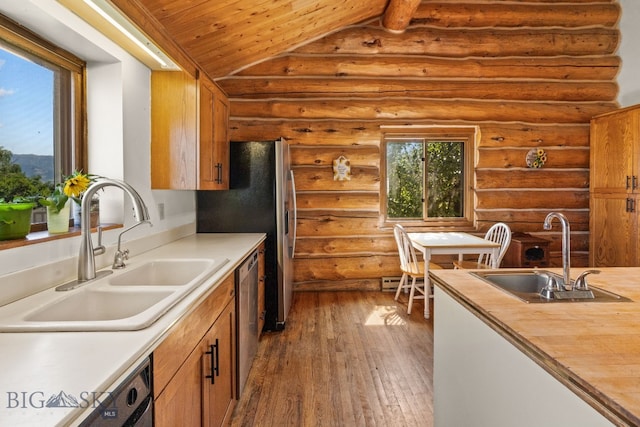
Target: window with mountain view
pixel 428 176
pixel 41 117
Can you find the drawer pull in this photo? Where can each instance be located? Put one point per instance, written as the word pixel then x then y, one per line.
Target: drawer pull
pixel 215 364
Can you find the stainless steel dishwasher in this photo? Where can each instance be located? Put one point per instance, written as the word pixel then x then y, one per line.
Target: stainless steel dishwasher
pixel 130 404
pixel 247 317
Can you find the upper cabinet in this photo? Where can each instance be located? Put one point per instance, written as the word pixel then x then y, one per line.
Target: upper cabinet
pixel 189 133
pixel 214 140
pixel 615 152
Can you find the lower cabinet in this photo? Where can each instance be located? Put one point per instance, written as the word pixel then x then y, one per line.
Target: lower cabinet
pixel 613 226
pixel 194 367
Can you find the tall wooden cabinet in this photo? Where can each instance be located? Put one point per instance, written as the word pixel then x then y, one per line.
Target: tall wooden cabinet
pixel 189 133
pixel 615 188
pixel 194 369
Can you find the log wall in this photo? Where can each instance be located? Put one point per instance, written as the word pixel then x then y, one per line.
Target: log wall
pixel 530 74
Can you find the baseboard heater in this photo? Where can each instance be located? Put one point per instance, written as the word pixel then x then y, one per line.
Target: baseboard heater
pixel 390 283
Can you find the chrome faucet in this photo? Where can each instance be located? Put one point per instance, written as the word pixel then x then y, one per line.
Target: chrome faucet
pixel 123 254
pixel 86 258
pixel 566 244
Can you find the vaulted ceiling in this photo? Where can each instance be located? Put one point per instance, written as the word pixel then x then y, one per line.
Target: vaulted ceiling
pixel 223 36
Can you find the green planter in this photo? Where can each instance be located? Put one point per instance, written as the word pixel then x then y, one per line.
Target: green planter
pixel 15 220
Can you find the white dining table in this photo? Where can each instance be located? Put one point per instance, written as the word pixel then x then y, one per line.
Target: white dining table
pixel 449 243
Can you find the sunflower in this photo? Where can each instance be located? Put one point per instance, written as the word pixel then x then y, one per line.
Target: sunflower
pixel 76 184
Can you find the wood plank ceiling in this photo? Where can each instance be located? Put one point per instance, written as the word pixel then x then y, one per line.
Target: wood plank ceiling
pixel 224 36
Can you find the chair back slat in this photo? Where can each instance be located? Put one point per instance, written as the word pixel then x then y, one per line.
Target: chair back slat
pixel 408 259
pixel 498 233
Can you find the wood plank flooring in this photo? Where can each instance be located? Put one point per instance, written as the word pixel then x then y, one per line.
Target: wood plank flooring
pixel 344 359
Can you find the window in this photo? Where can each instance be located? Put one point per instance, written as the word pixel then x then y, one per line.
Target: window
pixel 428 176
pixel 41 112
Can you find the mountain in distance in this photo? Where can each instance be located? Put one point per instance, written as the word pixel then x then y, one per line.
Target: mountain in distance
pixel 34 164
pixel 62 400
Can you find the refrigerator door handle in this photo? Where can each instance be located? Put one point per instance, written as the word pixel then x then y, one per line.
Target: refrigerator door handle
pixel 294 207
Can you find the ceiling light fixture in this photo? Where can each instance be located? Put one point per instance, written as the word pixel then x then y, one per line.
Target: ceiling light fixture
pixel 115 18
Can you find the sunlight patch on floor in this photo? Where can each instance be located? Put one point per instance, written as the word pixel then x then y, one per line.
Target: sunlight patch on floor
pixel 385 315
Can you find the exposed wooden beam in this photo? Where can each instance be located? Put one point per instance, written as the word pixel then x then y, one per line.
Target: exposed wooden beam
pixel 398 15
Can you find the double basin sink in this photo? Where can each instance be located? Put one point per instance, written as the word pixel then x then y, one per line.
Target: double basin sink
pixel 527 285
pixel 127 300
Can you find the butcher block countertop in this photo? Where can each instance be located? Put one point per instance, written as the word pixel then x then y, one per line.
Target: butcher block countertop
pixel 592 348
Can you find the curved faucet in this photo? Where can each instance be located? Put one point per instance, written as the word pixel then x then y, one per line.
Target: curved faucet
pixel 566 244
pixel 86 258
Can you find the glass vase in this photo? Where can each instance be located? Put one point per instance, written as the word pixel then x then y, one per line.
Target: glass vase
pixel 76 213
pixel 58 222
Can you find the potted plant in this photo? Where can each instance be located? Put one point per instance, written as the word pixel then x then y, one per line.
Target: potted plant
pixel 58 203
pixel 15 217
pixel 18 197
pixel 75 186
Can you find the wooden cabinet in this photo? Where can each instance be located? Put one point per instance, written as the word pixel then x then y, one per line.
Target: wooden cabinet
pixel 194 367
pixel 615 188
pixel 189 133
pixel 262 310
pixel 214 140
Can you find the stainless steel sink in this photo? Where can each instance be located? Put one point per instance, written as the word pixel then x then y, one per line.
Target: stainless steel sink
pixel 527 285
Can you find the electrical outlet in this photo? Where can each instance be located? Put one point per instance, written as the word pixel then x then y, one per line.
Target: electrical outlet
pixel 161 210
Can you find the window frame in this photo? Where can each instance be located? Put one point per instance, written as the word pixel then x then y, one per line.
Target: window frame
pixel 466 134
pixel 70 135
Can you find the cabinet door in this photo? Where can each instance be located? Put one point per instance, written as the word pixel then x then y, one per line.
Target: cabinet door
pixel 219 358
pixel 221 139
pixel 214 144
pixel 613 238
pixel 614 155
pixel 180 403
pixel 173 130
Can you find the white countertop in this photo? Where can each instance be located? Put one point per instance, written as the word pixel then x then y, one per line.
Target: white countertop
pixel 37 365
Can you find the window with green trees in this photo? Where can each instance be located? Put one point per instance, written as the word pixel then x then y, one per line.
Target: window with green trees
pixel 42 134
pixel 427 176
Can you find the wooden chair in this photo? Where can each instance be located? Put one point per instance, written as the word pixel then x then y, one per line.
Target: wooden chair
pixel 412 267
pixel 498 233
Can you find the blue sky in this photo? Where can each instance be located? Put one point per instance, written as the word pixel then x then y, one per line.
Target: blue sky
pixel 26 97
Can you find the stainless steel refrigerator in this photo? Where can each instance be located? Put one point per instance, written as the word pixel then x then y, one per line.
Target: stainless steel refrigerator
pixel 261 198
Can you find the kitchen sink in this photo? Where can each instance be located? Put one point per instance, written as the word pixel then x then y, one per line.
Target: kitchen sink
pixel 527 285
pixel 165 272
pixel 124 301
pixel 98 305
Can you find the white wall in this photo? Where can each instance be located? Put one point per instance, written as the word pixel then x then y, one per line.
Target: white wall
pixel 629 76
pixel 119 137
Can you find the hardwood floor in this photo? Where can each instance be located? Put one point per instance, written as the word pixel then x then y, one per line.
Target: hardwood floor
pixel 344 359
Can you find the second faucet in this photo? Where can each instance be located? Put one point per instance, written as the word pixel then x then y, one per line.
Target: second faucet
pixel 566 244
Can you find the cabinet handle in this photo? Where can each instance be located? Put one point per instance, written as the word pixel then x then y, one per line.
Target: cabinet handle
pixel 215 362
pixel 628 182
pixel 219 173
pixel 634 182
pixel 631 205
